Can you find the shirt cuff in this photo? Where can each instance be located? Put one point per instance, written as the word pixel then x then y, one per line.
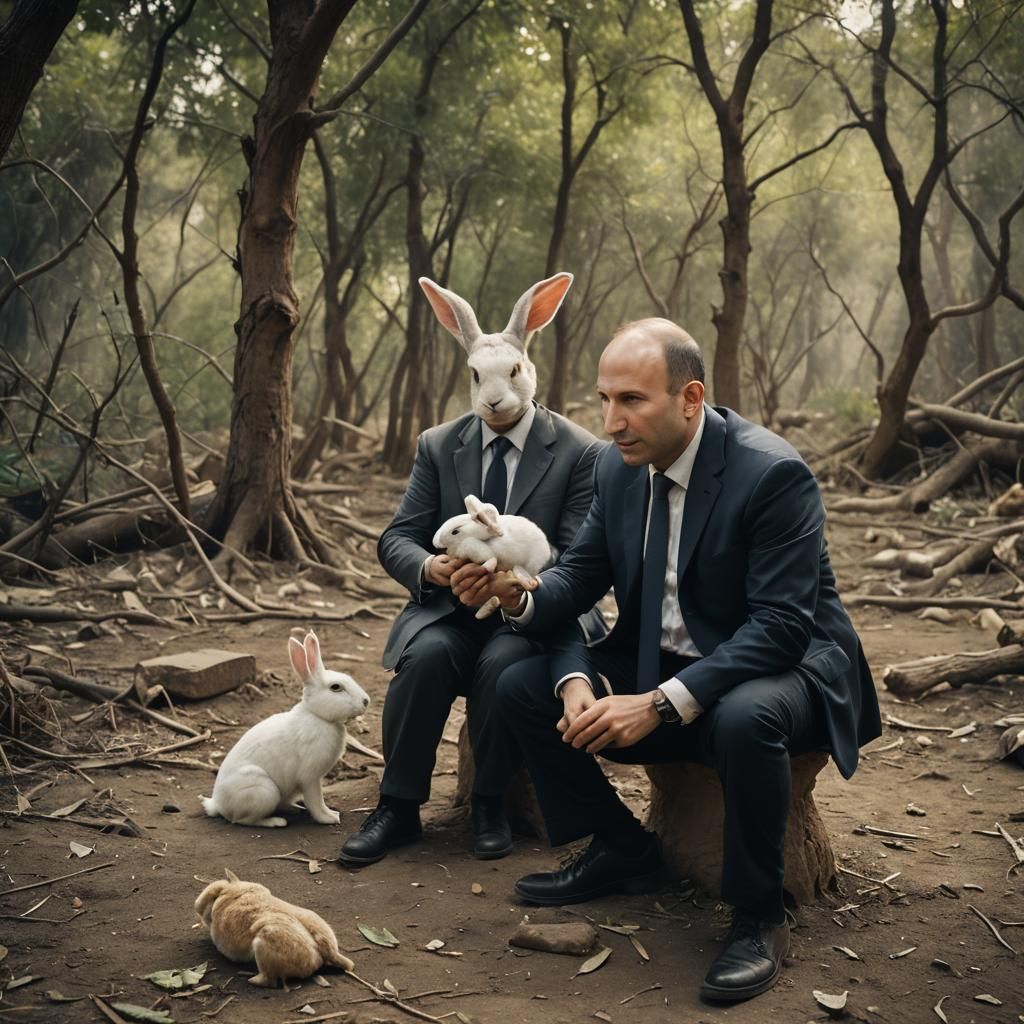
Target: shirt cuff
pixel 523 619
pixel 682 700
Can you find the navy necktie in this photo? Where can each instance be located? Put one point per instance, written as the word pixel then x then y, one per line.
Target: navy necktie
pixel 496 484
pixel 648 671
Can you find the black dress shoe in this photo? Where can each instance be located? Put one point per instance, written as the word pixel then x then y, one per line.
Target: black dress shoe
pixel 385 828
pixel 751 961
pixel 597 871
pixel 492 834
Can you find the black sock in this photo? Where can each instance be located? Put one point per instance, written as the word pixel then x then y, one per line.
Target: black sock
pixel 630 839
pixel 403 808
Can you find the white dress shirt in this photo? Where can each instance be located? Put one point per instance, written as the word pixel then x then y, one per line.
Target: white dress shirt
pixel 674 635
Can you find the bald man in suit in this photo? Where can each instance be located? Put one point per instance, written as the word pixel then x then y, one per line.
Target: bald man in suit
pixel 731 647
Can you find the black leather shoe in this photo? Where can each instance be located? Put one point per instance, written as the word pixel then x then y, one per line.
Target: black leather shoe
pixel 385 828
pixel 492 834
pixel 751 961
pixel 597 871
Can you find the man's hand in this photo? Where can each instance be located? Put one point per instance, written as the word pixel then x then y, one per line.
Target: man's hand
pixel 617 721
pixel 577 696
pixel 473 585
pixel 440 569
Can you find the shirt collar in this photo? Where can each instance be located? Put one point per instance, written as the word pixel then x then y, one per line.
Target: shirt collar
pixel 680 470
pixel 517 435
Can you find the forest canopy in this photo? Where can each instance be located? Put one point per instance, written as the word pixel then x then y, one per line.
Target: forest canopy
pixel 215 207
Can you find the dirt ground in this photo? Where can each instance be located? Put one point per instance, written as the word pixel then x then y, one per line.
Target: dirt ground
pixel 105 929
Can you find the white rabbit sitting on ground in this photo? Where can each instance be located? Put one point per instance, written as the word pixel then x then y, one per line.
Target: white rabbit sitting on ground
pixel 286 755
pixel 246 922
pixel 497 542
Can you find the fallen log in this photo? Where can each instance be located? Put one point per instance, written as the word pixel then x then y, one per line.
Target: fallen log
pixel 986 426
pixel 912 678
pixel 919 497
pixel 61 613
pixel 974 557
pixel 924 601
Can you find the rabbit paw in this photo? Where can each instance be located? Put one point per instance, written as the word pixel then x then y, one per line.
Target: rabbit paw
pixel 330 818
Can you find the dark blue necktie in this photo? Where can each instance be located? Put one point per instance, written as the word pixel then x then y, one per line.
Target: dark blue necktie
pixel 496 484
pixel 648 671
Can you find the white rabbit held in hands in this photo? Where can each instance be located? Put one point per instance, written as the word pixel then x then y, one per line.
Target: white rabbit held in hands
pixel 504 380
pixel 286 755
pixel 496 542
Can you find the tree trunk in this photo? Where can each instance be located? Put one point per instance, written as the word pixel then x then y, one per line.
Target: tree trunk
pixel 729 115
pixel 27 38
pixel 255 492
pixel 882 455
pixel 735 225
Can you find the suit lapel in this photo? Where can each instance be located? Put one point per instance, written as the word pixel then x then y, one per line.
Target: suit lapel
pixel 635 500
pixel 705 486
pixel 468 459
pixel 534 461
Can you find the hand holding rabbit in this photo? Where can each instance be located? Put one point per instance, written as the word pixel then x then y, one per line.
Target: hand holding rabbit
pixel 286 755
pixel 494 542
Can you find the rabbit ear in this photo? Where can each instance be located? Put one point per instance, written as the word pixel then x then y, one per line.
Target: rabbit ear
pixel 537 307
pixel 487 515
pixel 297 653
pixel 454 312
pixel 313 659
pixel 230 875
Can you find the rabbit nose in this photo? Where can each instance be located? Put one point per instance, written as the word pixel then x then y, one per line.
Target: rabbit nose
pixel 366 702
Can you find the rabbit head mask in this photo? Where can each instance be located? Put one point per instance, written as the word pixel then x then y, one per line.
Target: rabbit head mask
pixel 503 380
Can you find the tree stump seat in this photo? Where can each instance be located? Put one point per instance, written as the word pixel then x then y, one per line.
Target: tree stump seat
pixel 687 812
pixel 690 827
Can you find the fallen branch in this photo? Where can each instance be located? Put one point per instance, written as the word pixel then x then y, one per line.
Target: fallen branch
pixel 986 426
pixel 993 929
pixel 59 878
pixel 100 694
pixel 61 613
pixel 919 497
pixel 912 678
pixel 122 825
pixel 1015 844
pixel 924 601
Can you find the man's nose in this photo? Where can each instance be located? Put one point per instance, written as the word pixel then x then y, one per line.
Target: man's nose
pixel 614 422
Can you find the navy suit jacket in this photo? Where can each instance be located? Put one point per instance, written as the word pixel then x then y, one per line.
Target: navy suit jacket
pixel 756 589
pixel 553 487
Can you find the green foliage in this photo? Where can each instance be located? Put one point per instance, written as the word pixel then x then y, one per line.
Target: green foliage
pixel 847 408
pixel 489 126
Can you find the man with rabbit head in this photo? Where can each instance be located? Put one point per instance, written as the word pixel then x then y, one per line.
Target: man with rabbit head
pixel 524 460
pixel 731 647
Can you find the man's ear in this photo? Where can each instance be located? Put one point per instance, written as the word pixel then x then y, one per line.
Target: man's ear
pixel 693 398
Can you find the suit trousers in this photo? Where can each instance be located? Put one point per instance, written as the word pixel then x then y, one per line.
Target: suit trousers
pixel 458 655
pixel 746 737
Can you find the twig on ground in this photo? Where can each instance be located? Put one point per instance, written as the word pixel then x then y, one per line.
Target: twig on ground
pixel 59 878
pixel 992 928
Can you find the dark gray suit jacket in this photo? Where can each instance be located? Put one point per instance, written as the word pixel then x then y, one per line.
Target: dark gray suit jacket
pixel 756 587
pixel 553 486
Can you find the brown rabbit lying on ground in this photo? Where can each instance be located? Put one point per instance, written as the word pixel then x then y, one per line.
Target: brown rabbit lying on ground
pixel 247 923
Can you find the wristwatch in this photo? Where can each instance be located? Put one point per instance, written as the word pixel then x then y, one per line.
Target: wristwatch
pixel 665 708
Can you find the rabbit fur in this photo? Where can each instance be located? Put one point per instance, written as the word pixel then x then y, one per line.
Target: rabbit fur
pixel 497 542
pixel 286 755
pixel 247 923
pixel 504 380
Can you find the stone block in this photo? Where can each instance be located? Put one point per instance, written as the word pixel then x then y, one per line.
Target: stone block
pixel 194 675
